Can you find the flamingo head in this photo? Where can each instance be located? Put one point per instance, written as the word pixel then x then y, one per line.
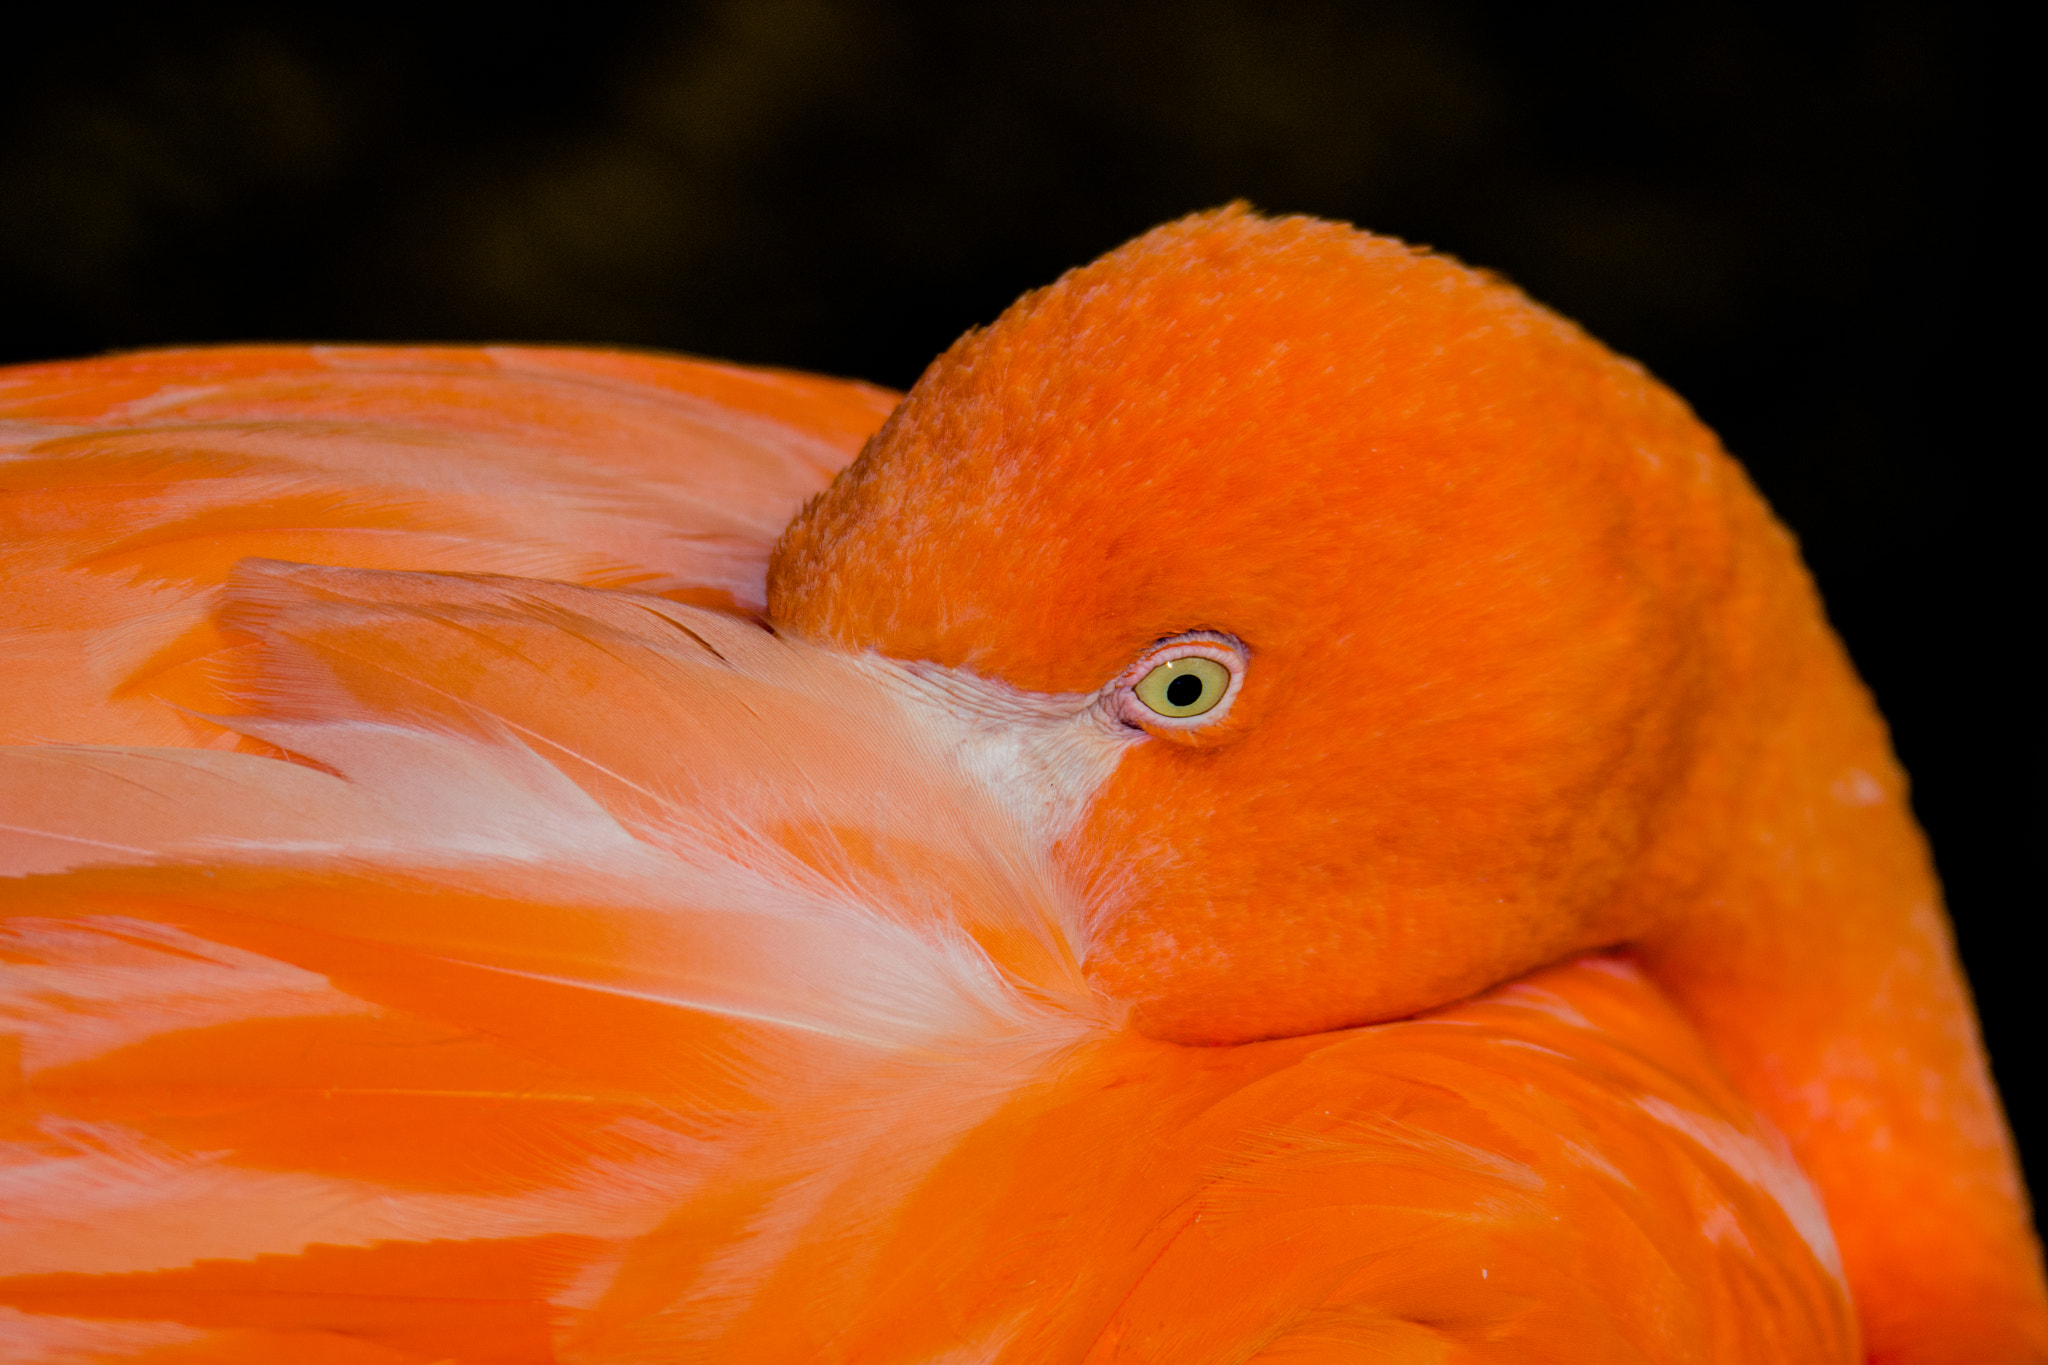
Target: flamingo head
pixel 1376 602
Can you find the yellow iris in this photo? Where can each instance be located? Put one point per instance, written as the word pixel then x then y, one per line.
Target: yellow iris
pixel 1184 687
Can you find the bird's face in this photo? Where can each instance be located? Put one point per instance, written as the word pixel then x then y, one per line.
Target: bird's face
pixel 1371 607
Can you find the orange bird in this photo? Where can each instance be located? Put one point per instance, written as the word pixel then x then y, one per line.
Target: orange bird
pixel 1285 806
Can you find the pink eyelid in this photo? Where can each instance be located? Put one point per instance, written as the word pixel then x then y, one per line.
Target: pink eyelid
pixel 1207 644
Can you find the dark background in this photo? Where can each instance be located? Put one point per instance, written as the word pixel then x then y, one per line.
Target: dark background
pixel 1785 210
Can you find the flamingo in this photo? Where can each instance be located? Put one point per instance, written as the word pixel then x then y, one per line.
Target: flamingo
pixel 1282 805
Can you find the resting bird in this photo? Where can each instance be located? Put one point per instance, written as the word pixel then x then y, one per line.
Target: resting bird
pixel 1287 806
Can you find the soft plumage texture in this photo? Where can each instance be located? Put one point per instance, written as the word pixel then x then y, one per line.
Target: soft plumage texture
pixel 134 484
pixel 500 945
pixel 476 1032
pixel 1533 670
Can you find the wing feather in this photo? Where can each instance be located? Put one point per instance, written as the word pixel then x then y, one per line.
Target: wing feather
pixel 487 969
pixel 130 486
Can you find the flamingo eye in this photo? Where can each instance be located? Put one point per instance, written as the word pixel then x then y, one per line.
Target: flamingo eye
pixel 1184 687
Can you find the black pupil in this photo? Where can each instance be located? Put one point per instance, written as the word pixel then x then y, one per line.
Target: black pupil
pixel 1185 690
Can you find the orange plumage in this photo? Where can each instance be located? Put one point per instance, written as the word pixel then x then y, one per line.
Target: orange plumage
pixel 444 923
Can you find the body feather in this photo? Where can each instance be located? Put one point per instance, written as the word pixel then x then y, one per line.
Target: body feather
pixel 452 928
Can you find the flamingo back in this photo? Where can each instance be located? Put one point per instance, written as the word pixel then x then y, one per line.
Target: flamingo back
pixel 457 929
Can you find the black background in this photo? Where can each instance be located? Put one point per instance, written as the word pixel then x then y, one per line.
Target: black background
pixel 1786 211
